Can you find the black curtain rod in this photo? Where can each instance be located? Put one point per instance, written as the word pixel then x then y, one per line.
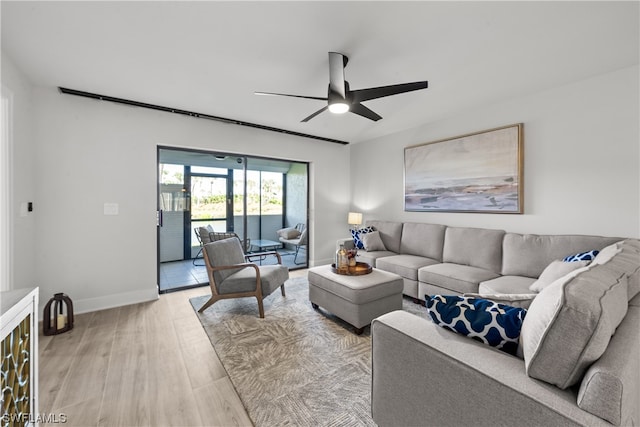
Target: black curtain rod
pixel 193 114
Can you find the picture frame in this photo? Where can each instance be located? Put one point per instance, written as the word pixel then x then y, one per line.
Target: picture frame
pixel 479 172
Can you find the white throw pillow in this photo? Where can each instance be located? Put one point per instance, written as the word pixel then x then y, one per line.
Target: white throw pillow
pixel 607 253
pixel 555 271
pixel 372 241
pixel 289 233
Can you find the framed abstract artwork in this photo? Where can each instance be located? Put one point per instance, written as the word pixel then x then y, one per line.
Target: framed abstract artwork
pixel 479 172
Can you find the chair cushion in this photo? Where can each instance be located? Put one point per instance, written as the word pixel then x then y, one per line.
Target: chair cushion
pixel 271 278
pixel 204 235
pixel 224 252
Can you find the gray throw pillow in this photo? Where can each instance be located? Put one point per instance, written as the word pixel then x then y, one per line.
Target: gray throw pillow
pixel 570 323
pixel 372 241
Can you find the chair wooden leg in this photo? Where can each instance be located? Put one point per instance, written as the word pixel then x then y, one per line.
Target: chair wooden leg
pixel 260 307
pixel 208 304
pixel 282 290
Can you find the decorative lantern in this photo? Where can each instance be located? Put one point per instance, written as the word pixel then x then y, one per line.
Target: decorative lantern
pixel 61 318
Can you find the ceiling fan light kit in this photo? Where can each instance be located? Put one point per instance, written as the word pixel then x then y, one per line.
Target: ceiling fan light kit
pixel 340 99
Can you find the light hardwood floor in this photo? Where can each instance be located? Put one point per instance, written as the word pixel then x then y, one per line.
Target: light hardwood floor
pixel 148 364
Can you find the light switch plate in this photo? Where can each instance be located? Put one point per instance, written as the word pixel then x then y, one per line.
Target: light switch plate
pixel 111 209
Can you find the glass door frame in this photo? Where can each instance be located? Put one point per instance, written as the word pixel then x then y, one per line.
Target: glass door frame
pixel 244 159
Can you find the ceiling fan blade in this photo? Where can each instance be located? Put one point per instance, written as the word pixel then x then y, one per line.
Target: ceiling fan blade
pixel 337 62
pixel 382 91
pixel 306 119
pixel 292 96
pixel 363 111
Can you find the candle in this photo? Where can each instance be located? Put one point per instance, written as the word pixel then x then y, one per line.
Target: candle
pixel 61 321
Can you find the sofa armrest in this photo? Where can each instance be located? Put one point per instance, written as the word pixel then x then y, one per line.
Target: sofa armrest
pixel 425 375
pixel 343 241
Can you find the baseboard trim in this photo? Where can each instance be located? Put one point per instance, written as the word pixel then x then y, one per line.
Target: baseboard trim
pixel 88 305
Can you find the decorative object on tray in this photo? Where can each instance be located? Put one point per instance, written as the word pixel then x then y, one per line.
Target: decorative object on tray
pixel 479 172
pixel 342 262
pixel 357 270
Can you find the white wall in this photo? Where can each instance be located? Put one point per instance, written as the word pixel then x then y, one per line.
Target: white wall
pixel 91 152
pixel 71 155
pixel 582 161
pixel 23 181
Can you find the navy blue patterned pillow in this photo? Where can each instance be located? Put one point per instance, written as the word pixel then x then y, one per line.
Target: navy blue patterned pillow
pixel 356 236
pixel 582 256
pixel 497 325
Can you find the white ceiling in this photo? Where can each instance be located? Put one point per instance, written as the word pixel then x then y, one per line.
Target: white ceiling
pixel 210 57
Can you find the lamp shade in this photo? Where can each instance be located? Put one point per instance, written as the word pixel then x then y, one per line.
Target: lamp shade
pixel 354 218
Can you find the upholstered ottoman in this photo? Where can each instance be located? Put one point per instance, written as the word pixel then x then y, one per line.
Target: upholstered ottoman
pixel 355 299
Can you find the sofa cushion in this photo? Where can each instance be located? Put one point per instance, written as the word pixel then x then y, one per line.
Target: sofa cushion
pixel 373 242
pixel 529 254
pixel 390 232
pixel 506 285
pixel 570 323
pixel 497 325
pixel 514 300
pixel 554 271
pixel 613 377
pixel 372 257
pixel 627 259
pixel 459 278
pixel 477 247
pixel 357 236
pixel 404 265
pixel 424 240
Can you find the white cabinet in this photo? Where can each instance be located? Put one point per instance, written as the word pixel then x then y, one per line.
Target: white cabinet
pixel 19 380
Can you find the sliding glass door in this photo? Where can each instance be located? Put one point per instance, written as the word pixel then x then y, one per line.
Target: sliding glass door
pixel 207 192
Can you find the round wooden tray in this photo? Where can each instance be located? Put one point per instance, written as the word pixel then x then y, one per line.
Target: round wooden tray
pixel 357 270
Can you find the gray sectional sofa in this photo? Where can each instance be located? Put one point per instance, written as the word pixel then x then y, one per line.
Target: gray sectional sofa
pixel 436 259
pixel 579 349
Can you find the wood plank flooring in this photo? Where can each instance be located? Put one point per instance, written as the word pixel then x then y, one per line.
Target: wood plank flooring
pixel 148 364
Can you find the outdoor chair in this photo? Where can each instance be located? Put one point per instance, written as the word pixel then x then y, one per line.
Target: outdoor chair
pixel 221 235
pixel 202 233
pixel 231 276
pixel 296 236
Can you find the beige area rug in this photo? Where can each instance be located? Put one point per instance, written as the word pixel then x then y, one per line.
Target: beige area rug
pixel 297 366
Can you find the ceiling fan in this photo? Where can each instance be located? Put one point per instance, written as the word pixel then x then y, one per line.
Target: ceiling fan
pixel 341 99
